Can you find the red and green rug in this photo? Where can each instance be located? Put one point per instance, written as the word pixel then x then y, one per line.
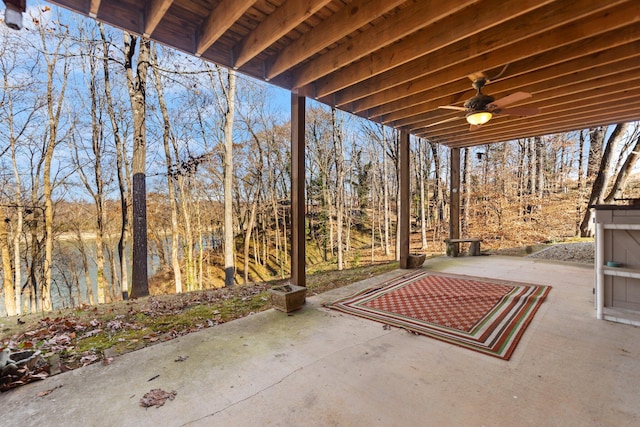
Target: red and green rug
pixel 484 315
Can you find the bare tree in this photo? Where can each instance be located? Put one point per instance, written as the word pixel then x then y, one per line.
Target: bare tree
pixel 137 84
pixel 466 191
pixel 121 166
pixel 55 101
pixel 338 149
pixel 422 187
pixel 7 281
pixel 631 159
pixel 166 136
pixel 229 243
pixel 18 111
pixel 95 185
pixel 603 175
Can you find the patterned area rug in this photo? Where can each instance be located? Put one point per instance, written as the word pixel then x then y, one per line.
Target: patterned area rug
pixel 483 315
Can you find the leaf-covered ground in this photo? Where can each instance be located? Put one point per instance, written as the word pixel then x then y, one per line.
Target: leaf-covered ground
pixel 68 339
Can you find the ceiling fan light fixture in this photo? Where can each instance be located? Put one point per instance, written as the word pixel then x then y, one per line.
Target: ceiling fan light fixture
pixel 479 117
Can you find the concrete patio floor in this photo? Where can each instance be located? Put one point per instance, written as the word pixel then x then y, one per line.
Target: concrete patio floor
pixel 323 368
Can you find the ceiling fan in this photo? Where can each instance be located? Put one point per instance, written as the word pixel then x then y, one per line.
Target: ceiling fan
pixel 481 108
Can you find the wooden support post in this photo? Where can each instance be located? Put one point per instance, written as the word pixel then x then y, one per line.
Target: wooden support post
pixel 454 201
pixel 405 200
pixel 298 247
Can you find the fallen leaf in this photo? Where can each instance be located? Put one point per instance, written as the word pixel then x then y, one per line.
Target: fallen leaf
pixel 156 397
pixel 181 358
pixel 47 392
pixel 88 358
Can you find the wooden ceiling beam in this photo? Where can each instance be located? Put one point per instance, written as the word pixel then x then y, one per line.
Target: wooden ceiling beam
pixel 403 23
pixel 514 126
pixel 347 20
pixel 155 10
pixel 574 123
pixel 593 64
pixel 464 58
pixel 570 125
pixel 590 102
pixel 226 13
pixel 94 7
pixel 284 19
pixel 589 99
pixel 396 63
pixel 546 91
pixel 507 125
pixel 594 46
pixel 445 32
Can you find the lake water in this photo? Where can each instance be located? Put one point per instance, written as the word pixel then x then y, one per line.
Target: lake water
pixel 61 294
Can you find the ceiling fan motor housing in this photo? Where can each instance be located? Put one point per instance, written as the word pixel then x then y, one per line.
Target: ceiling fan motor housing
pixel 479 102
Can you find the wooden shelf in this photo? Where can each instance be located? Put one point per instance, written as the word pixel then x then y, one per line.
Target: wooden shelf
pixel 621 315
pixel 621 226
pixel 622 272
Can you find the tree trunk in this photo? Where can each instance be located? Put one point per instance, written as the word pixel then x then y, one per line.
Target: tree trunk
pixel 248 232
pixel 580 182
pixel 437 191
pixel 54 111
pixel 121 170
pixel 17 231
pixel 7 273
pixel 188 234
pixel 385 192
pixel 623 174
pixel 137 86
pixel 396 145
pixel 166 135
pixel 533 163
pixel 466 191
pixel 421 183
pixel 104 293
pixel 581 161
pixel 540 170
pixel 17 262
pixel 339 162
pixel 85 267
pixel 596 143
pixel 229 244
pixel 603 176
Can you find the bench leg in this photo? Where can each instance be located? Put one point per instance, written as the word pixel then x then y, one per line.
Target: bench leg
pixel 474 248
pixel 453 249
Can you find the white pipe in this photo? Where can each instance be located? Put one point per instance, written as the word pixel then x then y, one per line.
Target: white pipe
pixel 599 270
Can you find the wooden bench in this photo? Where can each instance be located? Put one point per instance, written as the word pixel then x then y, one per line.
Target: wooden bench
pixel 453 246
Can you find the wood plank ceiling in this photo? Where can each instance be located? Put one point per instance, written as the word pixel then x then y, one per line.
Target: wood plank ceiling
pixel 396 61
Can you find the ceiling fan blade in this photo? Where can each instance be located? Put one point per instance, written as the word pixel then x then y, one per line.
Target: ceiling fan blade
pixel 474 127
pixel 519 111
pixel 452 107
pixel 509 99
pixel 450 119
